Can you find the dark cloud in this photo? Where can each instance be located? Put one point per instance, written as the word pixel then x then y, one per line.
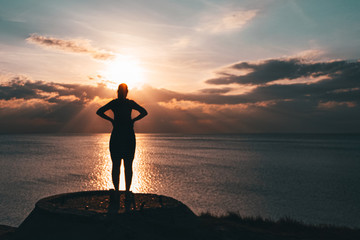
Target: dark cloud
pixel 76 46
pixel 337 81
pixel 277 69
pixel 55 92
pixel 327 99
pixel 39 106
pixel 276 108
pixel 215 90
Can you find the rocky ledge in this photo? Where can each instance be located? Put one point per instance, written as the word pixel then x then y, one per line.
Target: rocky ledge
pixel 107 215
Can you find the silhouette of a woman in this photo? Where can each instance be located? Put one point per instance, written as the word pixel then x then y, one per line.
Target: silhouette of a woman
pixel 122 140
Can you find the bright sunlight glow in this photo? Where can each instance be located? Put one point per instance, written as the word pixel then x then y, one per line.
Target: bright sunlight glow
pixel 123 69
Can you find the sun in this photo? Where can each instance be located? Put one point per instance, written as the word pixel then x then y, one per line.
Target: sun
pixel 123 69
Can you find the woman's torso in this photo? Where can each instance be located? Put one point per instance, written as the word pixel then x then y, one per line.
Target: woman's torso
pixel 122 115
pixel 122 141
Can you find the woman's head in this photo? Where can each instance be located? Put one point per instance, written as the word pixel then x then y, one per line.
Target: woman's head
pixel 122 91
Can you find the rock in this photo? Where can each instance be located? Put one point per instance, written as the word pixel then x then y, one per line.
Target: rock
pixel 108 215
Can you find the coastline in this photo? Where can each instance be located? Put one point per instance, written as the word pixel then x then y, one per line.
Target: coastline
pixel 93 215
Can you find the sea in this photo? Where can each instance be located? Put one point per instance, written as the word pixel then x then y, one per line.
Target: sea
pixel 313 178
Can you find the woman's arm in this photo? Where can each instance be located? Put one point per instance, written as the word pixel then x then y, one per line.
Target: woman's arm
pixel 141 110
pixel 101 112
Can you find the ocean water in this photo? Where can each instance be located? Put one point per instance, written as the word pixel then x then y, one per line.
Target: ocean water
pixel 311 178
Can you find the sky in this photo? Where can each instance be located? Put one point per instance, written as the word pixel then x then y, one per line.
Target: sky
pixel 197 66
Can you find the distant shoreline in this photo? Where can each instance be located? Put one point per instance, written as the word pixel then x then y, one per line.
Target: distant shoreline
pixel 186 134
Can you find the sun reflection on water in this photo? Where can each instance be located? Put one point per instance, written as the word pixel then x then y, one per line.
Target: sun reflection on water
pixel 101 176
pixel 140 182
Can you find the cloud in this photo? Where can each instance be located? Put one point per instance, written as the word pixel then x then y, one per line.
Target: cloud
pixel 22 88
pixel 267 71
pixel 334 104
pixel 273 108
pixel 75 46
pixel 216 90
pixel 327 99
pixel 226 22
pixel 39 106
pixel 329 104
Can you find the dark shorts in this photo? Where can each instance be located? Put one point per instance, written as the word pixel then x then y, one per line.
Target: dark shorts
pixel 122 145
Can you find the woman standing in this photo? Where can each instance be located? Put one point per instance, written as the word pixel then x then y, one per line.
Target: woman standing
pixel 122 141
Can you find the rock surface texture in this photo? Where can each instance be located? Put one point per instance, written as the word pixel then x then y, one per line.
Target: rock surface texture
pixel 108 215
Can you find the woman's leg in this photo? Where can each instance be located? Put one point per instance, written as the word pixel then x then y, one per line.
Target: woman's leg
pixel 116 172
pixel 128 171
